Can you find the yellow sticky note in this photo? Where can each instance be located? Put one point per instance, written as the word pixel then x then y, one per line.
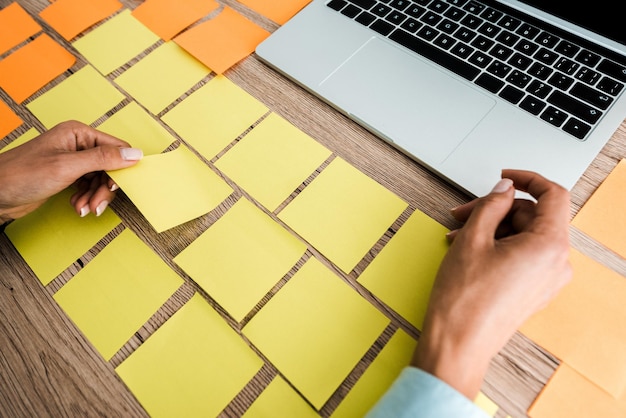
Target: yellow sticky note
pixel 315 330
pixel 16 25
pixel 172 188
pixel 222 41
pixel 115 42
pixel 33 66
pixel 167 18
pixel 272 160
pixel 241 257
pixel 569 394
pixel 279 400
pixel 584 325
pixel 135 126
pixel 602 217
pixel 9 121
pixel 53 237
pixel 378 377
pixel 214 116
pixel 71 17
pixel 25 137
pixel 162 77
pixel 280 11
pixel 192 366
pixel 403 273
pixel 486 404
pixel 84 96
pixel 343 213
pixel 117 292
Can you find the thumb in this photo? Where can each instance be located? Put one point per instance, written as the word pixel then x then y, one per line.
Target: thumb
pixel 102 158
pixel 491 210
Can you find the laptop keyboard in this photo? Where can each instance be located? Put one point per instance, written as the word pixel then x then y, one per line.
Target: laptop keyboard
pixel 564 84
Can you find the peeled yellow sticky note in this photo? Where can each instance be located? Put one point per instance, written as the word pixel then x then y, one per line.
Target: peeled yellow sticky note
pixel 9 121
pixel 192 366
pixel 167 18
pixel 115 42
pixel 403 273
pixel 117 292
pixel 602 217
pixel 223 41
pixel 279 399
pixel 272 160
pixel 137 127
pixel 53 237
pixel 16 25
pixel 584 325
pixel 214 116
pixel 84 96
pixel 280 11
pixel 25 137
pixel 162 76
pixel 315 330
pixel 172 188
pixel 378 376
pixel 569 394
pixel 486 404
pixel 343 213
pixel 241 257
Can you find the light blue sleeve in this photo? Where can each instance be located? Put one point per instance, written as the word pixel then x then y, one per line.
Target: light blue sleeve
pixel 416 393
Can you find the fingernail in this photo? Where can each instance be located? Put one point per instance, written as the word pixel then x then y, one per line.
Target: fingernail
pixel 114 187
pixel 450 235
pixel 131 154
pixel 84 211
pixel 101 207
pixel 502 186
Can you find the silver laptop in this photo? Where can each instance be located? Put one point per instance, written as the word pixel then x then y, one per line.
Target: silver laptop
pixel 467 87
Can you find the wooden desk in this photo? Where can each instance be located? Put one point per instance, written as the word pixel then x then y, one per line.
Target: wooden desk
pixel 48 368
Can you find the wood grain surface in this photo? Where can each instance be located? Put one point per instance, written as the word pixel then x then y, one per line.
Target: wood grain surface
pixel 49 369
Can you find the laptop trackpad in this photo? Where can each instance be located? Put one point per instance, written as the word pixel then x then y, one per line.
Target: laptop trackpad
pixel 404 99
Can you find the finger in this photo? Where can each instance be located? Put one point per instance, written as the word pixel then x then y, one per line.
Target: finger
pixel 87 137
pixel 81 203
pixel 490 211
pixel 462 213
pixel 100 199
pixel 552 207
pixel 76 164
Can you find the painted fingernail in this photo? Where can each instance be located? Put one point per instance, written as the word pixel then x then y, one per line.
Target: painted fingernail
pixel 84 211
pixel 450 235
pixel 502 186
pixel 131 154
pixel 101 207
pixel 114 187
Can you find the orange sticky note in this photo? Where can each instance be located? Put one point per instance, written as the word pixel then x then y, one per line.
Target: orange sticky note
pixel 16 25
pixel 8 120
pixel 167 18
pixel 602 217
pixel 280 11
pixel 71 17
pixel 33 66
pixel 584 325
pixel 569 394
pixel 223 41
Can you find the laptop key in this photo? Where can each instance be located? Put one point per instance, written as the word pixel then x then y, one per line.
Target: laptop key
pixel 382 27
pixel 588 75
pixel 518 78
pixel 365 18
pixel 489 82
pixel 337 4
pixel 610 86
pixel 612 69
pixel 364 4
pixel 554 116
pixel 574 106
pixel 351 11
pixel 511 94
pixel 411 25
pixel 399 4
pixel 532 105
pixel 591 96
pixel 435 54
pixel 381 10
pixel 576 128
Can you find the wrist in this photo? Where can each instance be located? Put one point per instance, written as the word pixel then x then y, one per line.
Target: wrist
pixel 456 358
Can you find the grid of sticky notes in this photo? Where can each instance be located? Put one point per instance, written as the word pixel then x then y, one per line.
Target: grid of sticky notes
pixel 589 315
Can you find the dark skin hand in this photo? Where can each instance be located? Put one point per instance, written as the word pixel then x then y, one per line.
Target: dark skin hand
pixel 70 153
pixel 508 261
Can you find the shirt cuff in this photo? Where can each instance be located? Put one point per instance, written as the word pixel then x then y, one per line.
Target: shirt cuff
pixel 416 393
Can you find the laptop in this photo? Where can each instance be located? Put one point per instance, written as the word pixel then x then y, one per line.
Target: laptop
pixel 466 87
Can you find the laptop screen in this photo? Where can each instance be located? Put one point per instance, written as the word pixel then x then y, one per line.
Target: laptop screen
pixel 601 16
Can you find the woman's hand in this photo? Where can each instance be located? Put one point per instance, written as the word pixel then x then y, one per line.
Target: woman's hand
pixel 70 153
pixel 507 262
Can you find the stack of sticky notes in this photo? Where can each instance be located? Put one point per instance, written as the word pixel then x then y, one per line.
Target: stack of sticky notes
pixel 584 325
